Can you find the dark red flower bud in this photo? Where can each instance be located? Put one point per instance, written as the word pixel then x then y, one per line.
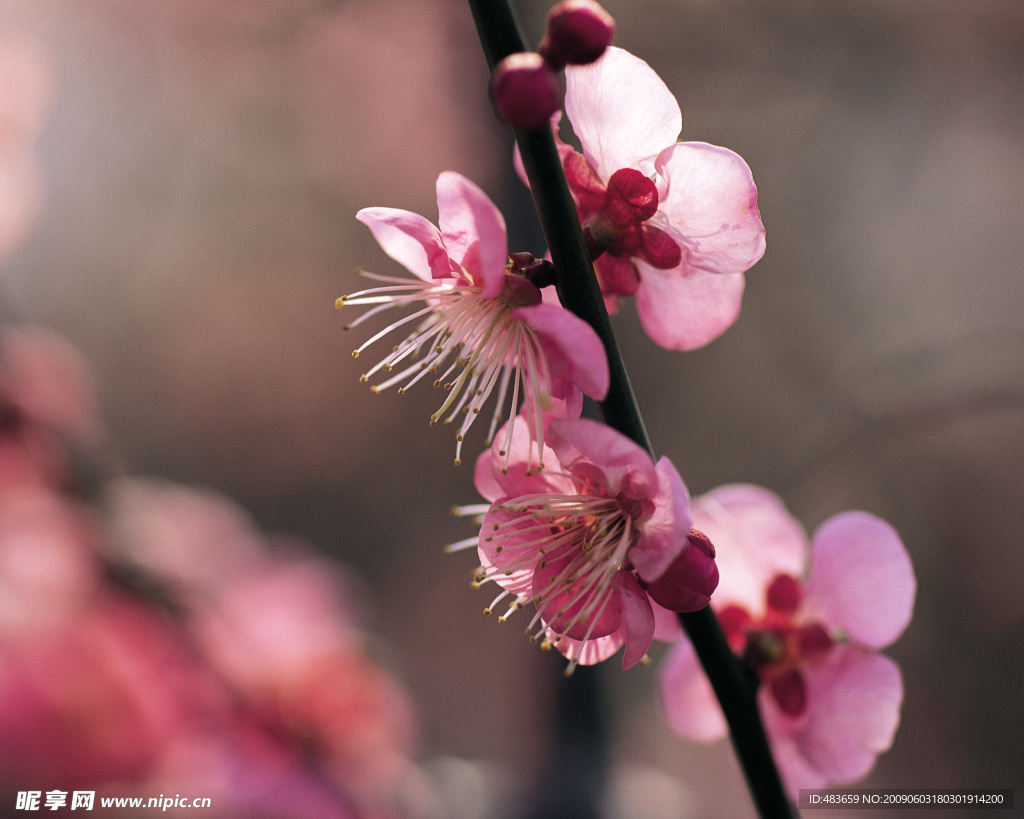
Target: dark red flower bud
pixel 688 583
pixel 784 594
pixel 525 90
pixel 578 33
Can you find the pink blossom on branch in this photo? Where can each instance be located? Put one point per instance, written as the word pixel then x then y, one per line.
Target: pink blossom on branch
pixel 830 703
pixel 674 223
pixel 582 544
pixel 483 326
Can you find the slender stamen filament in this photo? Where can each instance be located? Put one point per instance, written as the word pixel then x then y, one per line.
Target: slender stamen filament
pixel 472 346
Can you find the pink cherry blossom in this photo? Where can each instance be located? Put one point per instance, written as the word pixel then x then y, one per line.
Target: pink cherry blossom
pixel 581 544
pixel 674 223
pixel 484 325
pixel 830 703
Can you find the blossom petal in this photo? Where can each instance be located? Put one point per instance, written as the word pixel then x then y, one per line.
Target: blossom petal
pixel 755 539
pixel 409 239
pixel 589 652
pixel 861 579
pixel 473 230
pixel 687 699
pixel 637 618
pixel 589 449
pixel 710 208
pixel 662 536
pixel 621 111
pixel 514 473
pixel 513 555
pixel 666 624
pixel 853 710
pixel 574 351
pixel 684 312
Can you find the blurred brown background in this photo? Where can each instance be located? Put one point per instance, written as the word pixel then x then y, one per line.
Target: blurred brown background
pixel 202 165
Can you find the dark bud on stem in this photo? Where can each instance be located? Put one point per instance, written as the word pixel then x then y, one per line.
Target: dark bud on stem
pixel 578 33
pixel 525 91
pixel 688 583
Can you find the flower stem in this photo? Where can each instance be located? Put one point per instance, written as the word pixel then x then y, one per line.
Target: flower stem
pixel 734 684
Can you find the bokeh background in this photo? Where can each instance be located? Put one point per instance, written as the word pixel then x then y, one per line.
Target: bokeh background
pixel 199 167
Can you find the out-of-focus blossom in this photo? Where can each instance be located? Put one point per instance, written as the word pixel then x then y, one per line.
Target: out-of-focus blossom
pixel 24 94
pixel 483 325
pixel 49 569
pixel 674 223
pixel 193 540
pixel 277 636
pixel 580 543
pixel 96 701
pixel 830 703
pixel 47 404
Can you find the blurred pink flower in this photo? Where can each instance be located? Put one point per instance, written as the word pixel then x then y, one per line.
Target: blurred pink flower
pixel 46 404
pixel 674 223
pixel 580 543
pixel 193 540
pixel 97 701
pixel 24 95
pixel 48 564
pixel 279 637
pixel 484 324
pixel 830 703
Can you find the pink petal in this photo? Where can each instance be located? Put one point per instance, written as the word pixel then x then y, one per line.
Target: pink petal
pixel 591 450
pixel 666 624
pixel 637 618
pixel 684 312
pixel 622 112
pixel 515 577
pixel 410 240
pixel 663 535
pixel 860 579
pixel 755 538
pixel 494 479
pixel 561 613
pixel 794 768
pixel 853 710
pixel 687 700
pixel 710 208
pixel 618 276
pixel 473 230
pixel 590 652
pixel 574 351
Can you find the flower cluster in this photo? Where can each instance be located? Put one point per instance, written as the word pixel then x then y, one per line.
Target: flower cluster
pixel 582 527
pixel 158 641
pixel 582 524
pixel 809 619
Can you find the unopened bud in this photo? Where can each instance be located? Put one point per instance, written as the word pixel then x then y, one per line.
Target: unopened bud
pixel 688 583
pixel 578 33
pixel 525 90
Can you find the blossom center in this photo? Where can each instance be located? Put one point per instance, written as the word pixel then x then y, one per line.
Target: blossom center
pixel 617 223
pixel 779 644
pixel 572 546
